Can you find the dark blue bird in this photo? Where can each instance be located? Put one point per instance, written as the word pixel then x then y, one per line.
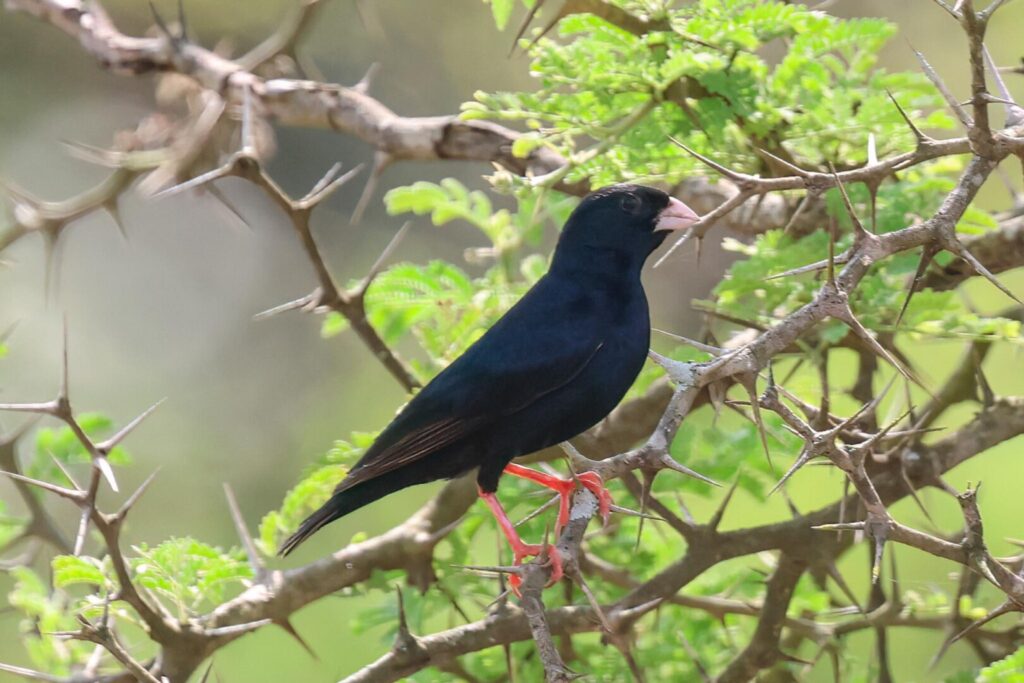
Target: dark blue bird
pixel 553 366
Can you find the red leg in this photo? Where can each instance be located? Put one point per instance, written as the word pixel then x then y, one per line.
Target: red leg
pixel 520 549
pixel 564 487
pixel 589 480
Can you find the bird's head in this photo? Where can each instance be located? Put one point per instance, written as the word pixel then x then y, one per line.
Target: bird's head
pixel 620 226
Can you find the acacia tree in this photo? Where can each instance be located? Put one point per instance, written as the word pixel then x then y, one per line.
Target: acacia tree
pixel 856 229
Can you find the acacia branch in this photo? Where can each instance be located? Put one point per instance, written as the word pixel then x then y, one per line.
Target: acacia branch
pixel 763 650
pixel 351 111
pixel 40 523
pixel 328 296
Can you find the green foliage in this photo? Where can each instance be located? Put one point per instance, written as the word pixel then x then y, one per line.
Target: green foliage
pixel 747 293
pixel 62 443
pixel 184 574
pixel 728 448
pixel 45 612
pixel 437 302
pixel 188 575
pixel 705 82
pixel 70 570
pixel 502 10
pixel 447 201
pixel 309 494
pixel 1008 670
pixel 506 230
pixel 961 677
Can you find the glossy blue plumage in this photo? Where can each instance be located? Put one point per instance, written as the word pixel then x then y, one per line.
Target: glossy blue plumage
pixel 553 366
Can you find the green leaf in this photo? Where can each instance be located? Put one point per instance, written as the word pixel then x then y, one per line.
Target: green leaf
pixel 451 200
pixel 45 612
pixel 69 570
pixel 334 324
pixel 1007 670
pixel 501 10
pixel 407 296
pixel 524 145
pixel 188 574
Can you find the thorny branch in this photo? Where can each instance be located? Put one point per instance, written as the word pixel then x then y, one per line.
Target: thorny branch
pixel 327 296
pixel 352 111
pixel 883 465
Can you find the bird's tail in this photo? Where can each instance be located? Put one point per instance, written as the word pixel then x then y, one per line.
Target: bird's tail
pixel 316 521
pixel 339 505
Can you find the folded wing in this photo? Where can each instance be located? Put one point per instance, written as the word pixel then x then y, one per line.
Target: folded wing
pixel 533 350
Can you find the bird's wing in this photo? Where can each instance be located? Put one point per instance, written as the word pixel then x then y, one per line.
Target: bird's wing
pixel 535 349
pixel 412 446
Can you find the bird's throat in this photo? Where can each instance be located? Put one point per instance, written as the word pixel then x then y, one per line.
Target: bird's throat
pixel 602 262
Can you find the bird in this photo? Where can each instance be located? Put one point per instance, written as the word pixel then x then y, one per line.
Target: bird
pixel 555 364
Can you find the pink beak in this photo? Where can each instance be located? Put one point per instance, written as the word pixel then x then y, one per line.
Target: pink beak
pixel 676 216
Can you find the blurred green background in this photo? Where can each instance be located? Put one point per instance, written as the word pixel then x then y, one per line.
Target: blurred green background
pixel 169 312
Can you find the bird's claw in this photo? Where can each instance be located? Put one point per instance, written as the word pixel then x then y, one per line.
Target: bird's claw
pixel 592 482
pixel 564 487
pixel 522 551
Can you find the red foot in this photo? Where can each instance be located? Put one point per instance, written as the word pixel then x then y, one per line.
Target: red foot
pixel 520 549
pixel 589 480
pixel 524 550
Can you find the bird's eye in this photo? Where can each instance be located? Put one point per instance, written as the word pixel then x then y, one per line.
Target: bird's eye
pixel 630 203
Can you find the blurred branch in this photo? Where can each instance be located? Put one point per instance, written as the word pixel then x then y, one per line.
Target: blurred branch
pixel 327 296
pixel 285 40
pixel 998 250
pixel 763 649
pixel 963 382
pixel 41 524
pixel 290 102
pixel 351 111
pixel 32 214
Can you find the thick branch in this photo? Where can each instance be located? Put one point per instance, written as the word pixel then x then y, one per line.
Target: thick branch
pixel 763 650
